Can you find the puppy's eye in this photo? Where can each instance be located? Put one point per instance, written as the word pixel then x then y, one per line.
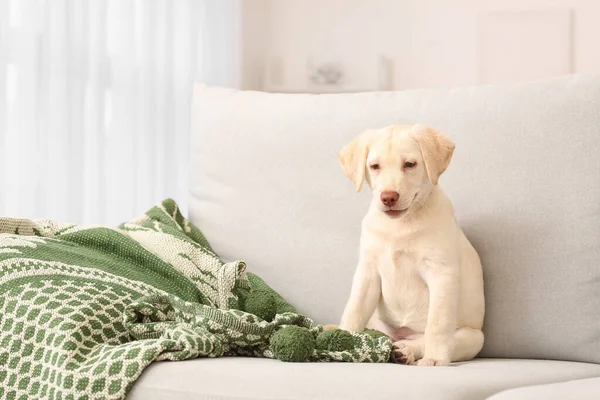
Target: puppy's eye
pixel 374 166
pixel 409 164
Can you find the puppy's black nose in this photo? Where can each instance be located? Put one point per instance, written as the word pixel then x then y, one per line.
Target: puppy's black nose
pixel 389 198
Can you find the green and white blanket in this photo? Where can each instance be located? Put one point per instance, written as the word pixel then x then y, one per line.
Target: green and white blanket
pixel 83 310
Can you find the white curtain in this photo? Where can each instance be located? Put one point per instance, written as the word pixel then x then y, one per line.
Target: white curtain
pixel 94 101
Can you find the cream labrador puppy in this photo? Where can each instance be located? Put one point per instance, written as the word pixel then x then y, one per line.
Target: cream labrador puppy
pixel 418 279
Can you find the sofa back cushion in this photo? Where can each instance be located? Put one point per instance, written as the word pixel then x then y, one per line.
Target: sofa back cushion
pixel 266 187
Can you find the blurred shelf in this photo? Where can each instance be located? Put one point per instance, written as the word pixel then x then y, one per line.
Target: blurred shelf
pixel 320 90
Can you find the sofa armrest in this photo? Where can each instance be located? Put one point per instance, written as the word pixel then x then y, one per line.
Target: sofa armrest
pixel 579 389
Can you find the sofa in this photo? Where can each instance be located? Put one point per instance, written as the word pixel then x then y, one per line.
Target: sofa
pixel 266 188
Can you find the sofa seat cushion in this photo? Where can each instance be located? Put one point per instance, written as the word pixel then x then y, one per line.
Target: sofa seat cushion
pixel 249 378
pixel 579 389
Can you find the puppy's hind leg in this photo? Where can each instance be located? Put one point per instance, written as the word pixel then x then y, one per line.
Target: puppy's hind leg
pixel 408 351
pixel 467 343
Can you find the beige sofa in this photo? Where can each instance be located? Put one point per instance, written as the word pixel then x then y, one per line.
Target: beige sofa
pixel 525 181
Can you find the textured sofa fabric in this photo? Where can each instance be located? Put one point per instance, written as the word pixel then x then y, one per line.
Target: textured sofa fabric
pixel 580 389
pixel 246 378
pixel 266 187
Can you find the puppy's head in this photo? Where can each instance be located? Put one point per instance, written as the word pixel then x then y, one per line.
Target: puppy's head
pixel 400 163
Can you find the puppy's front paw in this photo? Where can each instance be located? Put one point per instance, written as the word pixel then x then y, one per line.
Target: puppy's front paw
pixel 403 354
pixel 430 362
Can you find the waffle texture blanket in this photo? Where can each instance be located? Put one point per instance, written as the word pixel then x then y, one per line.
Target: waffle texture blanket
pixel 83 310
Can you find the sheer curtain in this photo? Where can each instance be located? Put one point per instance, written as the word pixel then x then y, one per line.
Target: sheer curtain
pixel 94 101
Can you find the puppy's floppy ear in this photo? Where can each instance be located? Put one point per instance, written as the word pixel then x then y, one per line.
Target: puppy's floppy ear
pixel 353 158
pixel 436 148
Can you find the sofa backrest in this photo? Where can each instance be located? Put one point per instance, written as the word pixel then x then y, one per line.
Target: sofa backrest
pixel 266 187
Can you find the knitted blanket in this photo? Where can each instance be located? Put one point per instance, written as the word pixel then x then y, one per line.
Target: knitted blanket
pixel 83 310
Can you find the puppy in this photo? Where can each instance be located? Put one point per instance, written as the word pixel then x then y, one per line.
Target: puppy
pixel 418 278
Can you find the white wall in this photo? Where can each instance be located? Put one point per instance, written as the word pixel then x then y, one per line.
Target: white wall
pixel 255 29
pixel 431 42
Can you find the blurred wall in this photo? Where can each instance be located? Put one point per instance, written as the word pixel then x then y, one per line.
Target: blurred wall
pixel 420 43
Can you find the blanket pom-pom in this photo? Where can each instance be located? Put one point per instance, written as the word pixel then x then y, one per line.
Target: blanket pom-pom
pixel 262 304
pixel 292 343
pixel 335 340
